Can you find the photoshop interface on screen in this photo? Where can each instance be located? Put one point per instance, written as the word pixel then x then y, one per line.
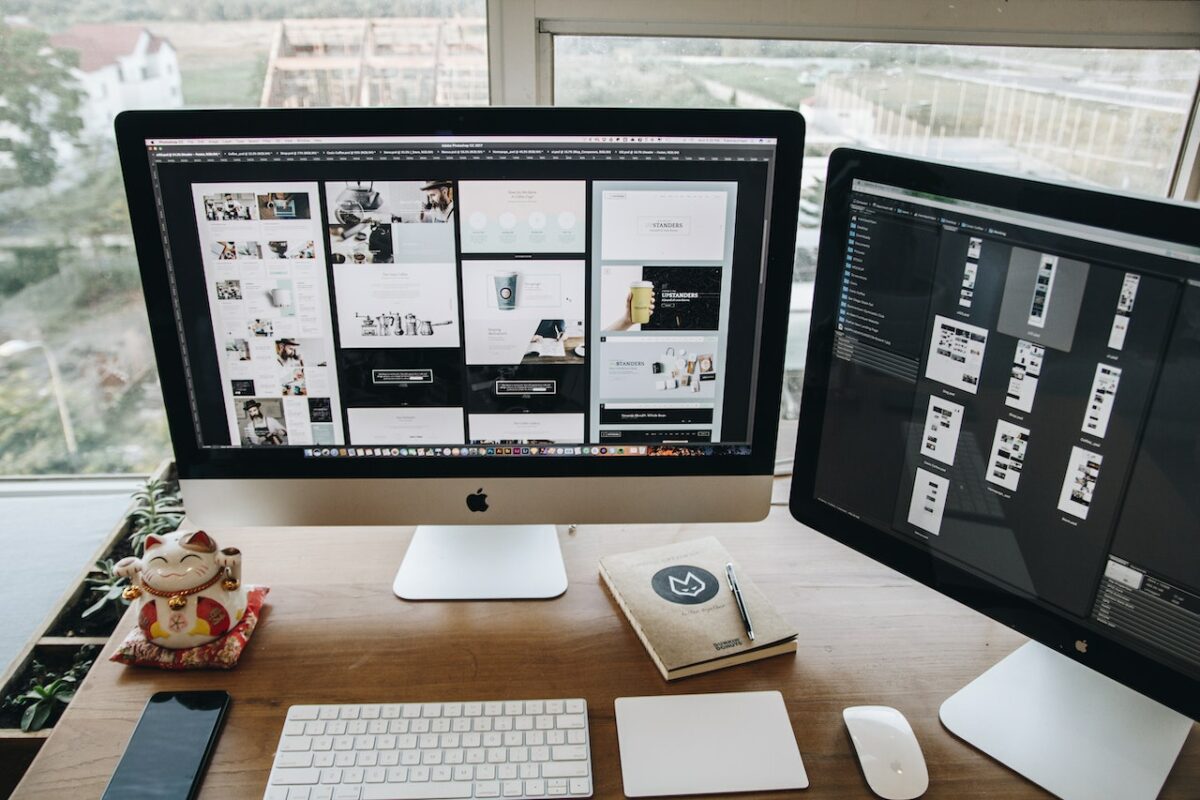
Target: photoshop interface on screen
pixel 409 295
pixel 1019 397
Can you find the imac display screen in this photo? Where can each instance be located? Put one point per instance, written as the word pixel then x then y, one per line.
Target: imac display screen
pixel 403 296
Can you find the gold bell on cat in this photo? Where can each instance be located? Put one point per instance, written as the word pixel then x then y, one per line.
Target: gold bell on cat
pixel 131 593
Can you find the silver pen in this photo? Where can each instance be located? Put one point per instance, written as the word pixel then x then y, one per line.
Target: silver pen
pixel 741 603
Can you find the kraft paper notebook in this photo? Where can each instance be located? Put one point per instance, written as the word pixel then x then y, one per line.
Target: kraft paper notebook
pixel 680 605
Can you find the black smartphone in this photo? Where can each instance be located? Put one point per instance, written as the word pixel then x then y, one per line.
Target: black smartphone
pixel 170 747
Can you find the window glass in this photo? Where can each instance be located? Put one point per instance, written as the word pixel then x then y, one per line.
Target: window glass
pixel 1109 118
pixel 78 386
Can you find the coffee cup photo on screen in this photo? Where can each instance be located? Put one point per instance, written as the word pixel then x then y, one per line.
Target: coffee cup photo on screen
pixel 523 312
pixel 643 298
pixel 283 206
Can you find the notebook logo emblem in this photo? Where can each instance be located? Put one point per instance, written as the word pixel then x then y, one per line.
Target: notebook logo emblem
pixel 685 584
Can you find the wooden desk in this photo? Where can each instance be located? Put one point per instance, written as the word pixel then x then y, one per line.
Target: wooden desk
pixel 333 633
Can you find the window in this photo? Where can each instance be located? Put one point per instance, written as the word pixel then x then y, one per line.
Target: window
pixel 78 386
pixel 1110 118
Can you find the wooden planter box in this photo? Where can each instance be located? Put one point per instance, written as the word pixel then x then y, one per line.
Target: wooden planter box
pixel 17 748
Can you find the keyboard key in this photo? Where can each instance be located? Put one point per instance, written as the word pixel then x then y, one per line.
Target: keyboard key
pixel 511 788
pixel 348 712
pixel 535 707
pixel 321 793
pixel 370 712
pixel 289 760
pixel 421 791
pixel 299 793
pixel 575 706
pixel 580 786
pixel 570 721
pixel 375 775
pixel 535 788
pixel 347 793
pixel 569 752
pixel 487 789
pixel 304 712
pixel 565 769
pixel 323 759
pixel 441 773
pixel 345 758
pixel 295 744
pixel 556 706
pixel 295 777
pixel 576 737
pixel 294 728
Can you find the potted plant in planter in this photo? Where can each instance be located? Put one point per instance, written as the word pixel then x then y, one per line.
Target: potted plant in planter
pixel 41 681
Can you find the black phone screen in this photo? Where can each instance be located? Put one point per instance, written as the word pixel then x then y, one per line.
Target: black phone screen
pixel 170 747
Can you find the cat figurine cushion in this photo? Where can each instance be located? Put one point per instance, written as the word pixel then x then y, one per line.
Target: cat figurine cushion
pixel 190 592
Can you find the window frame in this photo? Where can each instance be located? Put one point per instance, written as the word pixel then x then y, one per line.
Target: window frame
pixel 521 35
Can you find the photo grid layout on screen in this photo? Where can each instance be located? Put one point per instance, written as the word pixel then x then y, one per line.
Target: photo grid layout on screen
pixel 1016 394
pixel 409 296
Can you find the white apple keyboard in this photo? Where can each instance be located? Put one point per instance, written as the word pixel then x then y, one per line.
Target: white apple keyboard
pixel 413 751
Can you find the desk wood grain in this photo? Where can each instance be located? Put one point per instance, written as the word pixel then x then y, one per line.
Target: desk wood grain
pixel 334 633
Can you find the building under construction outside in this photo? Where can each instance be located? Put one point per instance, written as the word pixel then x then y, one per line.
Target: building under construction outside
pixel 378 62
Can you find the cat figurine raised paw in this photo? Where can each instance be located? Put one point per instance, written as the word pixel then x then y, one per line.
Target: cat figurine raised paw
pixel 190 592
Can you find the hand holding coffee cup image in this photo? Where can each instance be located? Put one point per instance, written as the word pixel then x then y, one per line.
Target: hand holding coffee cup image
pixel 639 306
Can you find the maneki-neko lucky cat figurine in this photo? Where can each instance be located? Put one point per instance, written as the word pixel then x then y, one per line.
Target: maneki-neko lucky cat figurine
pixel 190 592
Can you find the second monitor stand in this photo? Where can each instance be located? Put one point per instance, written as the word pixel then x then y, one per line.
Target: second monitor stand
pixel 1071 730
pixel 482 562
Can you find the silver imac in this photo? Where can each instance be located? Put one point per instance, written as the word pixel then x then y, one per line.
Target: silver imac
pixel 483 322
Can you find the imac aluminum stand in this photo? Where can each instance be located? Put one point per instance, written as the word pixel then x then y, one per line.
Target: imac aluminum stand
pixel 1067 728
pixel 482 562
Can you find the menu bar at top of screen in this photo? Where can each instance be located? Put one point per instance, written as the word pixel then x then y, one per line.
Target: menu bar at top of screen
pixel 1130 241
pixel 357 140
pixel 590 148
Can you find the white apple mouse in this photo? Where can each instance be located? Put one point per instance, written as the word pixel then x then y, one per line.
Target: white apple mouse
pixel 888 752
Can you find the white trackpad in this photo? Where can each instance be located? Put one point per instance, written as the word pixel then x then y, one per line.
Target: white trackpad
pixel 707 743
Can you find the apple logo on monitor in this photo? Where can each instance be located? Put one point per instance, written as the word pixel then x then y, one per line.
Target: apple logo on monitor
pixel 477 501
